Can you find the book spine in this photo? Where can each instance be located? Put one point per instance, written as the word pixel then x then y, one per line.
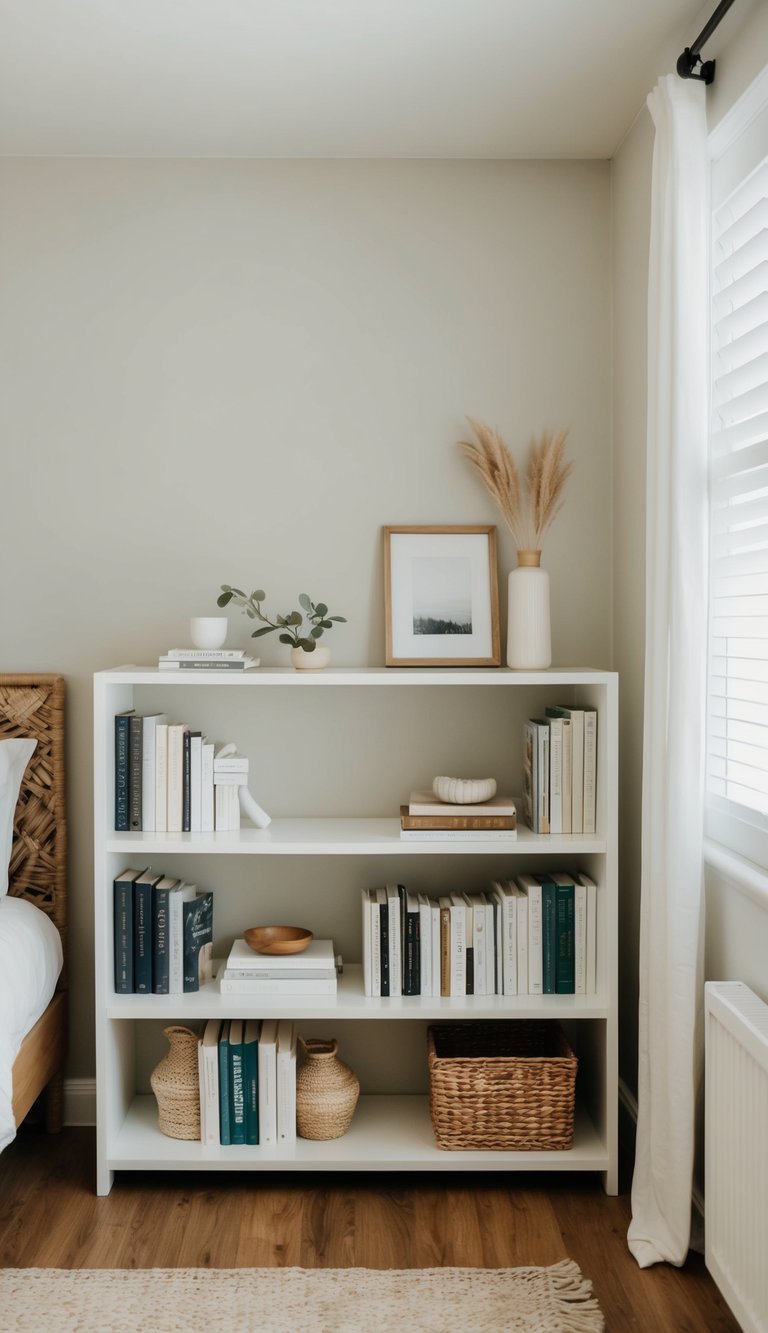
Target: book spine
pixel 161 777
pixel 434 911
pixel 198 940
pixel 178 664
pixel 251 1091
pixel 590 770
pixel 534 940
pixel 567 776
pixel 591 937
pixel 425 947
pixel 175 943
pixel 225 1132
pixel 195 782
pixel 122 746
pixel 555 775
pixel 521 906
pixel 375 945
pixel 142 934
pixel 395 951
pixel 542 769
pixel 580 939
pixel 458 949
pixel 445 949
pixel 478 945
pixel 384 945
pixel 451 823
pixel 458 835
pixel 301 986
pixel 123 936
pixel 577 771
pixel 565 941
pixel 186 783
pixel 175 777
pixel 267 1060
pixel 135 745
pixel 286 1096
pixel 549 937
pixel 203 654
pixel 530 775
pixel 411 967
pixel 211 1093
pixel 160 962
pixel 236 1093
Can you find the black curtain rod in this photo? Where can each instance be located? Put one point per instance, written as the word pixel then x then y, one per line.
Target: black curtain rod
pixel 688 61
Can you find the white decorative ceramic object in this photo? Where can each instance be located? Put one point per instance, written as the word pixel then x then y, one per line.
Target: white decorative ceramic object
pixel 304 661
pixel 464 791
pixel 529 638
pixel 208 631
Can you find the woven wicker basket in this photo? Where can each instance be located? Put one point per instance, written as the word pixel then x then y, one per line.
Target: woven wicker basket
pixel 504 1086
pixel 176 1086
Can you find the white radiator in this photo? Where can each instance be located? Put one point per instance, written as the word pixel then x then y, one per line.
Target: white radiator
pixel 736 1149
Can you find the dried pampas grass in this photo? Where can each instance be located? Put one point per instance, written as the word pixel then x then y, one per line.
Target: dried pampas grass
pixel 528 515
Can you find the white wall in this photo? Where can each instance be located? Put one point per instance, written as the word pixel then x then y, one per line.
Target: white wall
pixel 238 371
pixel 737 929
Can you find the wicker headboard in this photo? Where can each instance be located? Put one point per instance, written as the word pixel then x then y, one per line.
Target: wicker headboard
pixel 33 706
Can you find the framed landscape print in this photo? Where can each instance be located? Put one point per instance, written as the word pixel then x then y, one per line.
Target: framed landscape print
pixel 441 596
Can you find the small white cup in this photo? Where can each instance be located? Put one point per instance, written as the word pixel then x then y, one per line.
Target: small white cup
pixel 208 631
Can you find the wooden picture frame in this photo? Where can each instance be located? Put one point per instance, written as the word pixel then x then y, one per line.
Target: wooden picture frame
pixel 441 595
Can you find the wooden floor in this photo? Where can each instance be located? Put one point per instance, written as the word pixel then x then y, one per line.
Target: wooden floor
pixel 51 1217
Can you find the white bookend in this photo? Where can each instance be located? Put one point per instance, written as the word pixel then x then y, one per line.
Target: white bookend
pixel 531 886
pixel 175 775
pixel 286 1083
pixel 181 893
pixel 458 944
pixel 207 821
pixel 365 897
pixel 567 776
pixel 590 769
pixel 148 765
pixel 425 945
pixel 195 782
pixel 395 954
pixel 555 777
pixel 580 936
pixel 268 1082
pixel 209 1091
pixel 161 777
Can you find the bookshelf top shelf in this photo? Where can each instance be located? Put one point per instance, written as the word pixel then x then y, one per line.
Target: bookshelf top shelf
pixel 139 675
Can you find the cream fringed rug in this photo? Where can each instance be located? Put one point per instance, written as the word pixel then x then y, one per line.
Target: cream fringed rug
pixel 298 1300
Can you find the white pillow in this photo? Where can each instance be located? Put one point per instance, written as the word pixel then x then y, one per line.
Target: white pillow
pixel 14 756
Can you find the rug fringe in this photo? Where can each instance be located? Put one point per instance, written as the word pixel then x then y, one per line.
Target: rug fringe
pixel 578 1307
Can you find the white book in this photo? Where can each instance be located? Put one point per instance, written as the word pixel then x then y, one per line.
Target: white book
pixel 195 781
pixel 267 1061
pixel 381 903
pixel 521 905
pixel 590 769
pixel 555 777
pixel 567 776
pixel 490 944
pixel 175 775
pixel 531 886
pixel 375 942
pixel 494 907
pixel 198 654
pixel 591 932
pixel 395 955
pixel 579 936
pixel 575 716
pixel 426 803
pixel 506 898
pixel 180 893
pixel 477 910
pixel 542 770
pixel 458 944
pixel 425 945
pixel 317 954
pixel 365 896
pixel 434 912
pixel 286 1083
pixel 148 765
pixel 209 1084
pixel 207 821
pixel 282 986
pixel 201 1088
pixel 161 777
pixel 166 663
pixel 458 835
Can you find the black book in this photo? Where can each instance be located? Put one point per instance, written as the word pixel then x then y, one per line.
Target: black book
pixel 142 931
pixel 161 954
pixel 122 890
pixel 381 895
pixel 186 780
pixel 469 956
pixel 411 942
pixel 122 771
pixel 135 751
pixel 197 929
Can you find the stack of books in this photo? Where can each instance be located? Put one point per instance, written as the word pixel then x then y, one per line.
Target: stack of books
pixel 163 934
pixel 426 818
pixel 311 972
pixel 560 771
pixel 207 659
pixel 247 1078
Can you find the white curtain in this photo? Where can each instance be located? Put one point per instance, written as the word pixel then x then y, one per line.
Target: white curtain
pixel 671 918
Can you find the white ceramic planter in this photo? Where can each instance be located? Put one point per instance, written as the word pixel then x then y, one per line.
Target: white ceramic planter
pixel 529 638
pixel 304 661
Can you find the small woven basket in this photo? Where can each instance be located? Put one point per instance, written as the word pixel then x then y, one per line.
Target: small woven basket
pixel 175 1083
pixel 506 1086
pixel 326 1091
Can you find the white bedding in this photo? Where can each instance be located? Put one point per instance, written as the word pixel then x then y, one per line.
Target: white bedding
pixel 30 963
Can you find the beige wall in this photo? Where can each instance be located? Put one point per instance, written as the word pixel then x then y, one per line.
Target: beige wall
pixel 734 922
pixel 234 371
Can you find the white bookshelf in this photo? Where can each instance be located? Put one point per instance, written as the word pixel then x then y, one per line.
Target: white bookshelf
pixel 369 729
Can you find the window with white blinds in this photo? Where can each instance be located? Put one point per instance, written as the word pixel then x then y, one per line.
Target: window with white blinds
pixel 737 733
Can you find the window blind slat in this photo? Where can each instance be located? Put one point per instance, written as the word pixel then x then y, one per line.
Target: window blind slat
pixel 739 293
pixel 742 434
pixel 742 320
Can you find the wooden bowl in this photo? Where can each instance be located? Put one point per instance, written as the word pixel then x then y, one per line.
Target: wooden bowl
pixel 277 939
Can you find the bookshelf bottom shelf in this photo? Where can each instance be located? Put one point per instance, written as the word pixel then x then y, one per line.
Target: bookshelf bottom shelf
pixel 388 1133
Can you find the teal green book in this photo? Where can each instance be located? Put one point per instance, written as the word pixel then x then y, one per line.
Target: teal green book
pixel 548 935
pixel 566 935
pixel 225 1134
pixel 236 1082
pixel 251 1079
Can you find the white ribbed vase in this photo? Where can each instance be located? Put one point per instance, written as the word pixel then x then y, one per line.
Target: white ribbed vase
pixel 529 638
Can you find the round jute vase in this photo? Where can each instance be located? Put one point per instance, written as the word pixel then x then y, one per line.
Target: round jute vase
pixel 326 1091
pixel 529 637
pixel 176 1086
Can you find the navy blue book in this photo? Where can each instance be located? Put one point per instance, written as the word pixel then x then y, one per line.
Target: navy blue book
pixel 566 935
pixel 236 1082
pixel 251 1068
pixel 142 932
pixel 197 931
pixel 122 771
pixel 225 1134
pixel 161 953
pixel 123 930
pixel 548 935
pixel 135 750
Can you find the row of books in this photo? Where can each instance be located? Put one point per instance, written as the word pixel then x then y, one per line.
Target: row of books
pixel 247 1078
pixel 535 935
pixel 207 659
pixel 163 934
pixel 311 972
pixel 428 819
pixel 171 778
pixel 560 771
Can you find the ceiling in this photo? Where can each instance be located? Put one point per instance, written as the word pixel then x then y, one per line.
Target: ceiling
pixel 330 78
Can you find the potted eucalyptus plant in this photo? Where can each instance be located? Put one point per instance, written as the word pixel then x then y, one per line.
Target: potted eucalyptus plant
pixel 299 629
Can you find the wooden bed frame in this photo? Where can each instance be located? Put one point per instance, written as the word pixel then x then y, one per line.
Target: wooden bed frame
pixel 32 705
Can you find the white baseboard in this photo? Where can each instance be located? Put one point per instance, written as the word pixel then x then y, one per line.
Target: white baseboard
pixel 80 1101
